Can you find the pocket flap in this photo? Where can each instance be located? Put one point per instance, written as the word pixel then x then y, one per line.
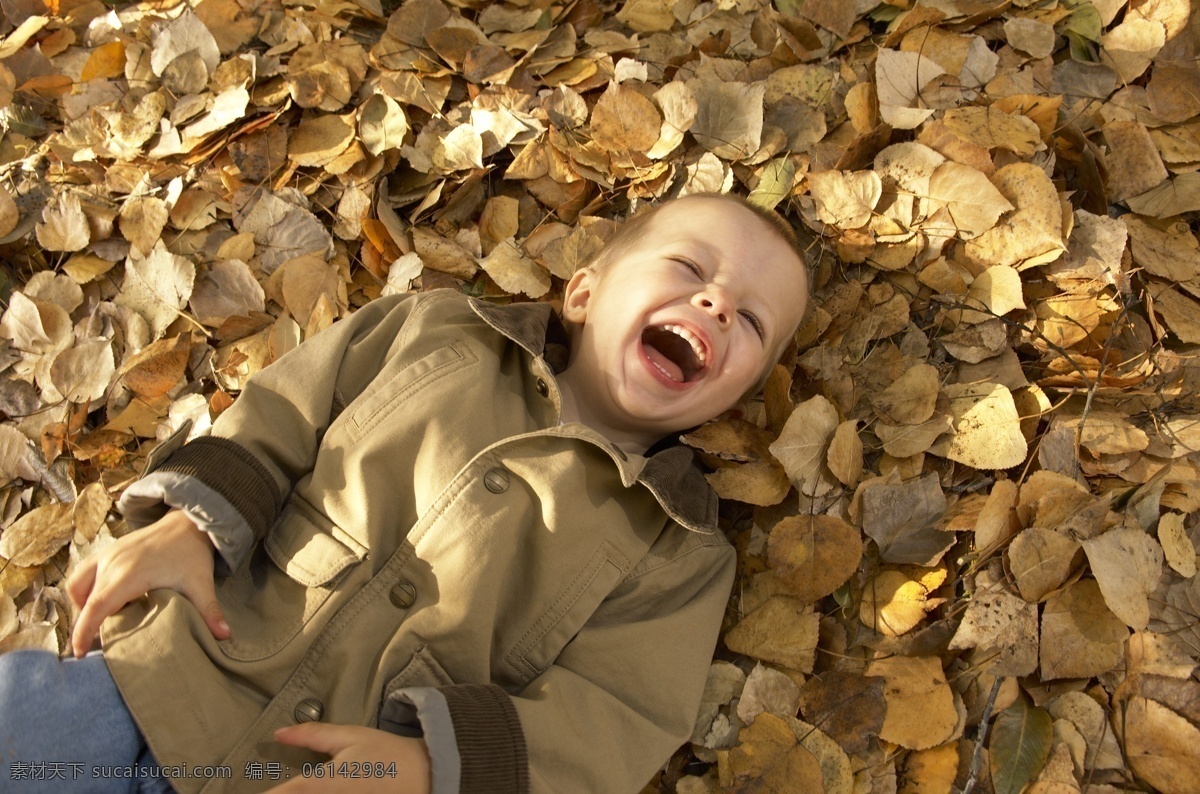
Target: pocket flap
pixel 308 547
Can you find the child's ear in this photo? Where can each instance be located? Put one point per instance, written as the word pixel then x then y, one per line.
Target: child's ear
pixel 576 295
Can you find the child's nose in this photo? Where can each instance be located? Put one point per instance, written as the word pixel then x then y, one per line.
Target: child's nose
pixel 714 301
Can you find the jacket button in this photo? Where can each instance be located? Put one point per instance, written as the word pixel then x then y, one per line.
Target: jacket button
pixel 403 595
pixel 308 710
pixel 542 387
pixel 496 480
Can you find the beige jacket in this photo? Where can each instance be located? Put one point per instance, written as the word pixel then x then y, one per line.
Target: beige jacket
pixel 430 539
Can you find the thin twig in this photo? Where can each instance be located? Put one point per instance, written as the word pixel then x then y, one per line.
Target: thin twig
pixel 979 740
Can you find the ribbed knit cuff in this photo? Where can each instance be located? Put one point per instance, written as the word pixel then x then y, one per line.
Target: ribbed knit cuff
pixel 491 744
pixel 234 473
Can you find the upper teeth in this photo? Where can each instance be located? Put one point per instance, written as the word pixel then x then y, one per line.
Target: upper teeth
pixel 691 339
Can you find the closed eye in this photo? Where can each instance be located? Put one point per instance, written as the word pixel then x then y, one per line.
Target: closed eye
pixel 753 319
pixel 690 265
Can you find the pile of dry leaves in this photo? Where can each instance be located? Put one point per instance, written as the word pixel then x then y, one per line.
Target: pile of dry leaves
pixel 969 497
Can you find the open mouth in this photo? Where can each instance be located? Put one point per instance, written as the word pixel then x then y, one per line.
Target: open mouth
pixel 675 351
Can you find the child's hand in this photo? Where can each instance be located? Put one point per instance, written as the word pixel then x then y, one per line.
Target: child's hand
pixel 170 553
pixel 356 745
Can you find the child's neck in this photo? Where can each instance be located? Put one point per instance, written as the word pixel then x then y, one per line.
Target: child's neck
pixel 576 410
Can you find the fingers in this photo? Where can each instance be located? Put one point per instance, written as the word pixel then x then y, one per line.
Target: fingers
pixel 80 583
pixel 321 737
pixel 100 602
pixel 201 591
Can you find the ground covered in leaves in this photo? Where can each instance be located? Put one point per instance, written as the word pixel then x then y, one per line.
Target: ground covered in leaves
pixel 966 508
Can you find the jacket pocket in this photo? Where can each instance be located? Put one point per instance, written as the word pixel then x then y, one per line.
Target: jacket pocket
pixel 541 643
pixel 422 670
pixel 378 402
pixel 269 604
pixel 310 548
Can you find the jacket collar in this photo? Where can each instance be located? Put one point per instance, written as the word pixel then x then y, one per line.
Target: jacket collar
pixel 670 474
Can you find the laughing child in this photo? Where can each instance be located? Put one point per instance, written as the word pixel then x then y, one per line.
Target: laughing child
pixel 442 546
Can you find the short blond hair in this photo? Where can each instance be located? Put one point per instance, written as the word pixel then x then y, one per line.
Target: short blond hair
pixel 633 230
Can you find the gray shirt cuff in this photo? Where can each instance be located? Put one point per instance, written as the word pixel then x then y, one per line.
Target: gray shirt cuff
pixel 149 499
pixel 405 710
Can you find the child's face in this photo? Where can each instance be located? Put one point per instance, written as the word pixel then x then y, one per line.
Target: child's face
pixel 676 330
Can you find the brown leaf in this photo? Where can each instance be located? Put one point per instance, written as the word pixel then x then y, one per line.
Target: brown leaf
pixel 64 227
pixel 901 518
pixel 845 456
pixel 36 536
pixel 625 121
pixel 156 369
pixel 319 140
pixel 813 555
pixel 1176 545
pixel 142 221
pixel 1163 748
pixel 1031 235
pixel 1003 626
pixel 1041 560
pixel 846 706
pixel 911 398
pixel 1081 637
pixel 82 373
pixel 803 444
pixel 514 271
pixel 729 117
pixel 107 60
pixel 1127 564
pixel 781 631
pixel 769 760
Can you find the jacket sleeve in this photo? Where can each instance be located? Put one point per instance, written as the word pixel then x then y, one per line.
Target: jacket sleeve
pixel 268 439
pixel 618 700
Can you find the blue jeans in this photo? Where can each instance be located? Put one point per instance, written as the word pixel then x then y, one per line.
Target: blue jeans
pixel 64 727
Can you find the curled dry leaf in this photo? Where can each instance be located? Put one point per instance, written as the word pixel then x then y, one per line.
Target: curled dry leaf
pixel 9 214
pixel 767 690
pixel 804 442
pixel 36 536
pixel 1176 545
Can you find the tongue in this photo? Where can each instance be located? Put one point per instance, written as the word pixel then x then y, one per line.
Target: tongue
pixel 669 367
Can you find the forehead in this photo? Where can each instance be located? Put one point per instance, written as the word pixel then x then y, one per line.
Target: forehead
pixel 728 232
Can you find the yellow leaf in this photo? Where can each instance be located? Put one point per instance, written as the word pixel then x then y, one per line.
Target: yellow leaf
pixel 107 60
pixel 921 708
